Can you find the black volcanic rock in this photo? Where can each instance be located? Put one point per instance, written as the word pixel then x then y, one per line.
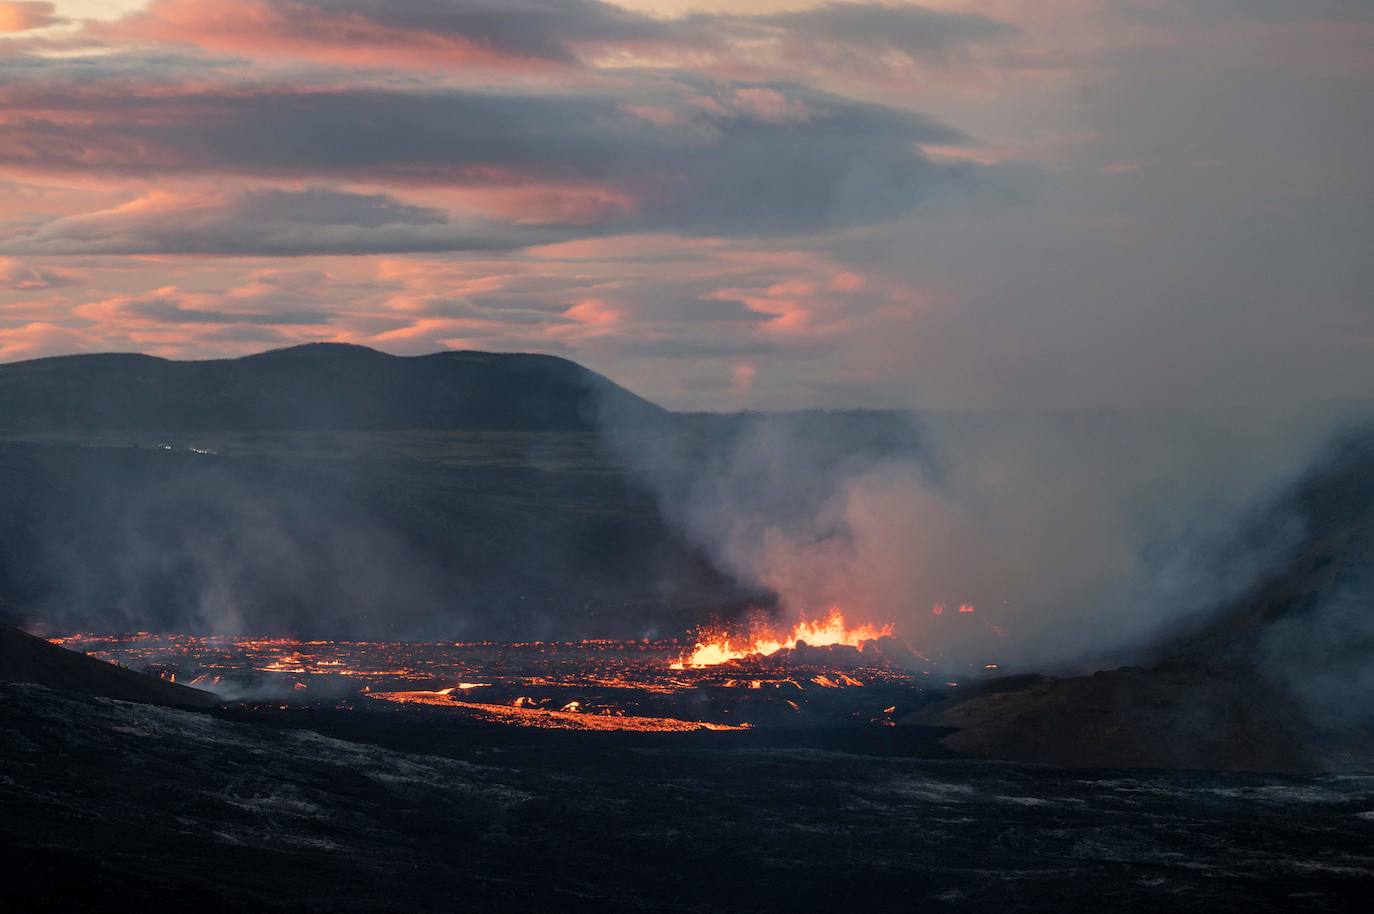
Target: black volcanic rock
pixel 1172 717
pixel 26 658
pixel 113 807
pixel 311 387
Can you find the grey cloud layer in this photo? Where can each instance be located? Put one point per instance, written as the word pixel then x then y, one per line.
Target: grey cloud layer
pixel 168 310
pixel 914 31
pixel 1277 11
pixel 269 222
pixel 561 31
pixel 742 160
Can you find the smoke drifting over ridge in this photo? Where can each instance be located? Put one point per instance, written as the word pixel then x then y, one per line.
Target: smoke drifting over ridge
pixel 1078 537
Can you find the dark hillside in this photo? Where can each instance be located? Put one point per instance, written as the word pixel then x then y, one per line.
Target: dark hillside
pixel 331 490
pixel 24 658
pixel 120 538
pixel 1277 680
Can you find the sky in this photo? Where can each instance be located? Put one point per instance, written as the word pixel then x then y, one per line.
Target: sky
pixel 721 205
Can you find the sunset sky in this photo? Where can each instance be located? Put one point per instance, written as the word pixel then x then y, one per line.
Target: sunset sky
pixel 722 205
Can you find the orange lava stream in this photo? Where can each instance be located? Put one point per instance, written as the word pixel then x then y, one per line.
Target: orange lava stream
pixel 831 630
pixel 558 720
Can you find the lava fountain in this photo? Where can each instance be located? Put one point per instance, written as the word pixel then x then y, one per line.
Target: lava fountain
pixel 719 647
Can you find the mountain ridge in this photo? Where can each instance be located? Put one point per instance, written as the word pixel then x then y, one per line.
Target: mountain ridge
pixel 312 386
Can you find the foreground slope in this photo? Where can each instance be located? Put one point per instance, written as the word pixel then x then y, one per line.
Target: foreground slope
pixel 25 658
pixel 155 809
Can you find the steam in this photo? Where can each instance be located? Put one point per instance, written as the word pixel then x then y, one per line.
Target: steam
pixel 1321 637
pixel 354 535
pixel 1321 656
pixel 176 541
pixel 1077 536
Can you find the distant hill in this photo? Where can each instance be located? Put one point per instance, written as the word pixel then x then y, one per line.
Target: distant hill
pixel 25 658
pixel 313 387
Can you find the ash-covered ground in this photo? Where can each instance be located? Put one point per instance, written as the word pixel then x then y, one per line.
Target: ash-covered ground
pixel 110 806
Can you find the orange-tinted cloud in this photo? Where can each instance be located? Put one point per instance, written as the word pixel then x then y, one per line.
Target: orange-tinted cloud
pixel 757 161
pixel 26 15
pixel 18 276
pixel 537 36
pixel 362 33
pixel 265 221
pixel 41 338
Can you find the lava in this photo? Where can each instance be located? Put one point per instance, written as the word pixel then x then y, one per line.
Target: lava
pixel 832 630
pixel 818 674
pixel 566 718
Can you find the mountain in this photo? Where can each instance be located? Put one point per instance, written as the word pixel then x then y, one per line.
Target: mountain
pixel 25 658
pixel 310 387
pixel 1277 680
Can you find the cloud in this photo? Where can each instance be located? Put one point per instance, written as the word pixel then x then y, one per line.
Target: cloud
pixel 423 33
pixel 1264 11
pixel 869 34
pixel 752 159
pixel 42 338
pixel 26 15
pixel 270 222
pixel 535 35
pixel 17 276
pixel 174 306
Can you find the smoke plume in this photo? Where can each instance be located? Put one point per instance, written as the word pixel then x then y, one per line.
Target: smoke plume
pixel 1074 536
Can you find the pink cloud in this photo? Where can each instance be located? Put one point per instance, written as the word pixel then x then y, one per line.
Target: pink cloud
pixel 356 35
pixel 18 276
pixel 41 338
pixel 589 317
pixel 879 41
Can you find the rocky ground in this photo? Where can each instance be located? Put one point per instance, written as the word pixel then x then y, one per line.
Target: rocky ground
pixel 109 806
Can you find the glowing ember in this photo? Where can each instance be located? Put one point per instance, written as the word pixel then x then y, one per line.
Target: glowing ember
pixel 832 630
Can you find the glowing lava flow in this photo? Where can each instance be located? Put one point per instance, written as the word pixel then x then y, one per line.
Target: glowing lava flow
pixel 831 630
pixel 566 718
